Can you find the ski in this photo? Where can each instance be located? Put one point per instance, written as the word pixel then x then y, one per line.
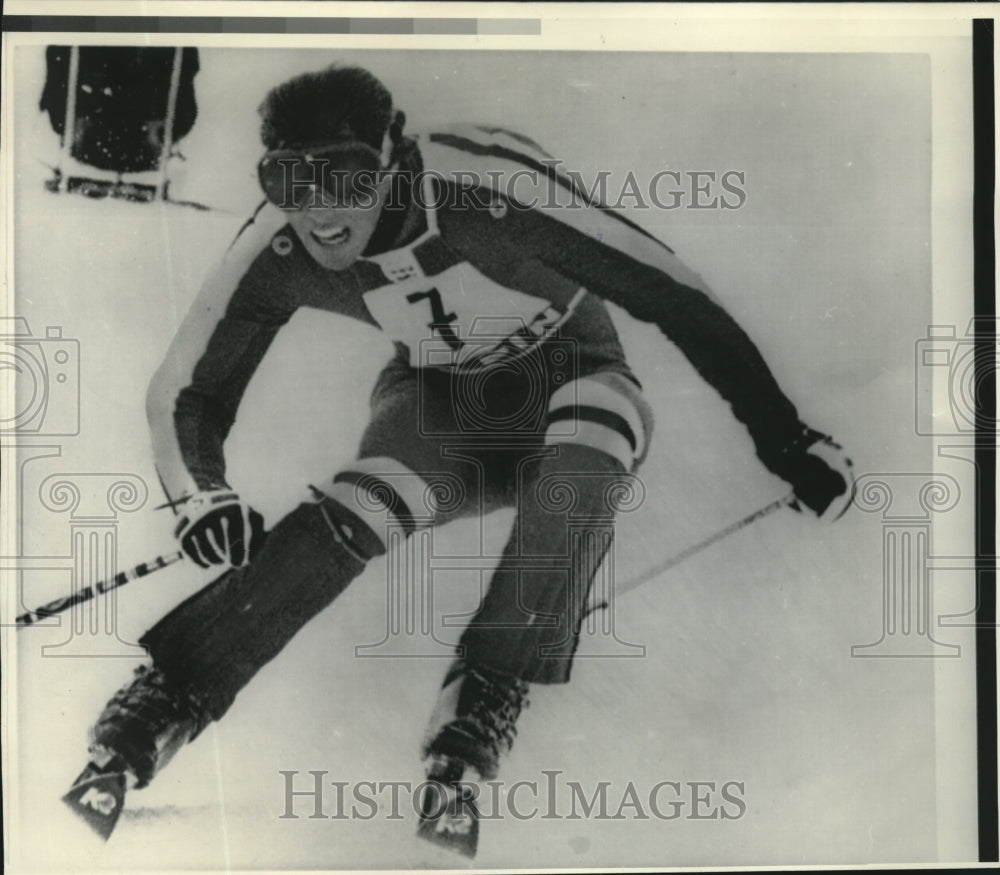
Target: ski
pixel 448 813
pixel 453 823
pixel 98 796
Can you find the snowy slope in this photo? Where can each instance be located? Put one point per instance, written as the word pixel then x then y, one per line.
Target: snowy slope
pixel 746 674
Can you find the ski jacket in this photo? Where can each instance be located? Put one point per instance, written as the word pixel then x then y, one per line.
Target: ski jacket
pixel 484 250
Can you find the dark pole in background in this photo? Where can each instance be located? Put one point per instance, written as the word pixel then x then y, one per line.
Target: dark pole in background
pixel 69 125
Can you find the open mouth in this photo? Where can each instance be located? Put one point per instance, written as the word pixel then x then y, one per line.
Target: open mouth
pixel 332 235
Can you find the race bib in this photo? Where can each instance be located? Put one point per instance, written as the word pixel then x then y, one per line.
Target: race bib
pixel 458 318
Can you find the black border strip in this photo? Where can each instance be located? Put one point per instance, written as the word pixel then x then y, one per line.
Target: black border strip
pixel 984 242
pixel 986 338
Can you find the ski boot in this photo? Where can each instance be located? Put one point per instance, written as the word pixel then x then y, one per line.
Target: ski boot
pixel 473 726
pixel 141 728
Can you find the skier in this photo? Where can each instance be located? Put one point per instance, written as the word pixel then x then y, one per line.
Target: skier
pixel 505 354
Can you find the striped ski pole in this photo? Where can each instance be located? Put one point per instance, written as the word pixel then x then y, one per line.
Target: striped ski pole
pixel 144 568
pixel 99 588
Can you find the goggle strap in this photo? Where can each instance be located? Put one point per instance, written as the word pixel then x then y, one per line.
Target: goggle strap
pixel 383 157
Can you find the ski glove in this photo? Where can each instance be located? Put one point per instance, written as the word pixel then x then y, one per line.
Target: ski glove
pixel 819 471
pixel 216 528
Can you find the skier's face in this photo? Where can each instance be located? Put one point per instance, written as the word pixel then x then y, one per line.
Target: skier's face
pixel 336 235
pixel 332 197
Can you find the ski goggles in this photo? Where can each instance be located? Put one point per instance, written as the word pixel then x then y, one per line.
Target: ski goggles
pixel 344 174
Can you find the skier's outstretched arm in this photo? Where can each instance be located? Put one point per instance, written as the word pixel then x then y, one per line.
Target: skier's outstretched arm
pixel 612 257
pixel 193 398
pixel 643 276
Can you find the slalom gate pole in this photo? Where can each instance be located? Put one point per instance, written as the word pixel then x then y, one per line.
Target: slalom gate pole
pixel 69 121
pixel 168 130
pixel 99 588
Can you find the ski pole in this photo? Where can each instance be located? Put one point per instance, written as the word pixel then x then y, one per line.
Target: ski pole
pixel 688 552
pixel 88 592
pixel 99 588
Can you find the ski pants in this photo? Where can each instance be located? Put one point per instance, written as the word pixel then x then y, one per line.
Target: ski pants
pixel 437 448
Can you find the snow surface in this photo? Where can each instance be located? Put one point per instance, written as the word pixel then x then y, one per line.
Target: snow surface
pixel 746 674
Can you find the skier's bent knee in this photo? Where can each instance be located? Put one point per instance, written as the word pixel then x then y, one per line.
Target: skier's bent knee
pixel 374 500
pixel 604 411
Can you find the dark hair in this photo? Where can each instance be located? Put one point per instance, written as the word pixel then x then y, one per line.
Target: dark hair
pixel 329 106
